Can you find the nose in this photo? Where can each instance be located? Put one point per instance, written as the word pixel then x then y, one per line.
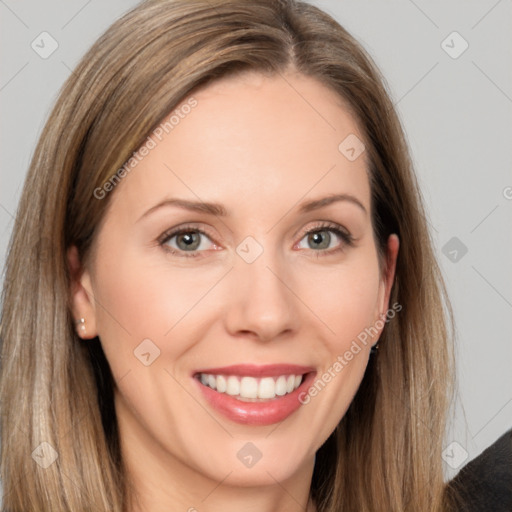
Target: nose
pixel 261 302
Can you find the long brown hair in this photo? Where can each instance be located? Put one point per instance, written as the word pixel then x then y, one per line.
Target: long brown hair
pixel 386 452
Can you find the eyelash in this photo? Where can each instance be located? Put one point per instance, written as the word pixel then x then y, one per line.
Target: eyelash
pixel 347 238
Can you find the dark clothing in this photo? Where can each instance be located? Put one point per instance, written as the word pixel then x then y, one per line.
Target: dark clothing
pixel 485 483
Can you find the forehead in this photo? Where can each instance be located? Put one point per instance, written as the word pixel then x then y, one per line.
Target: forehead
pixel 252 141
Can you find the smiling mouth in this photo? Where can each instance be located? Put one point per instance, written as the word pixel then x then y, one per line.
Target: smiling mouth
pixel 255 394
pixel 251 388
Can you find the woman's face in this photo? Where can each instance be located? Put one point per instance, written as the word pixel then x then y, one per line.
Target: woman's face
pixel 273 288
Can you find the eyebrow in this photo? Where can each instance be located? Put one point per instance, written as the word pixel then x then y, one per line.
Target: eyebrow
pixel 219 210
pixel 315 204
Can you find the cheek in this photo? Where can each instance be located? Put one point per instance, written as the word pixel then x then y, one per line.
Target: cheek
pixel 349 309
pixel 137 300
pixel 346 300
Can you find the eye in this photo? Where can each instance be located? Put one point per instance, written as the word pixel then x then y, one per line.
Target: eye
pixel 188 239
pixel 320 237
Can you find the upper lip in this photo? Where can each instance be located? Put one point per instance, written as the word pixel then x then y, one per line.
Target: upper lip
pixel 252 370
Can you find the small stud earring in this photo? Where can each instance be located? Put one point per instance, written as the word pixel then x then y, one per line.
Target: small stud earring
pixel 81 324
pixel 374 349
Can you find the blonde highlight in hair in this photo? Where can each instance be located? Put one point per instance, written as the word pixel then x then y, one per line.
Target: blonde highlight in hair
pixel 385 454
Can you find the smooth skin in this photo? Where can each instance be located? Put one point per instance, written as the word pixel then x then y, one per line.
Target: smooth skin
pixel 260 146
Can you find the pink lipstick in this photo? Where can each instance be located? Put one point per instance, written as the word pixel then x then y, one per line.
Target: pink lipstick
pixel 255 395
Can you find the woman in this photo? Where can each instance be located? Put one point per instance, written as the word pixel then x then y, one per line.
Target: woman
pixel 221 290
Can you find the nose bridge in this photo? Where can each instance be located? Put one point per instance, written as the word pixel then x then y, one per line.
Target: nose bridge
pixel 261 300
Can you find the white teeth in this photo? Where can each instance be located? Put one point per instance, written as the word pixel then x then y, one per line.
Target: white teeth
pixel 222 384
pixel 252 387
pixel 249 387
pixel 290 383
pixel 281 386
pixel 267 388
pixel 233 386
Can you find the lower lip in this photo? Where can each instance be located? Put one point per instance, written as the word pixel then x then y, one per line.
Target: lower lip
pixel 256 413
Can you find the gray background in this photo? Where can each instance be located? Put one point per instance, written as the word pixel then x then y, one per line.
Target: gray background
pixel 456 110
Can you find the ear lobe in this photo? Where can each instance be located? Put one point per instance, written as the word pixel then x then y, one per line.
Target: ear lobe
pixel 81 296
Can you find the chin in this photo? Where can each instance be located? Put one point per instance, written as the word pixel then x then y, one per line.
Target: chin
pixel 262 461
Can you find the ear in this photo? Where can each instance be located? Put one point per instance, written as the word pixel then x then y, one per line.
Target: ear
pixel 389 275
pixel 83 305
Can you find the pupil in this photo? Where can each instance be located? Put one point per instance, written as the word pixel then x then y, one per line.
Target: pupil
pixel 188 238
pixel 318 238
